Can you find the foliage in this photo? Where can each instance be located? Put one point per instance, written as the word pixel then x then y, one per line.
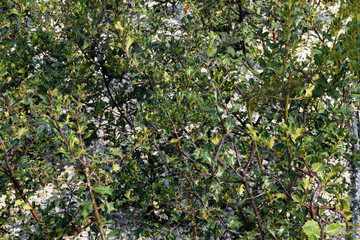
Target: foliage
pixel 232 122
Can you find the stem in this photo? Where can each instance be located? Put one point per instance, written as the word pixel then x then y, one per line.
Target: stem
pixel 256 147
pixel 251 196
pixel 93 200
pixel 25 199
pixel 83 161
pixel 287 106
pixel 192 220
pixel 254 208
pixel 241 19
pixel 287 98
pixel 23 196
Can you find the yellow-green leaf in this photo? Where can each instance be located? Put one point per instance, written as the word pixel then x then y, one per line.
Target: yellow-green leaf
pixel 53 92
pixel 309 90
pixel 156 204
pixel 296 134
pixel 174 141
pixel 21 132
pixel 116 167
pixel 215 139
pixel 270 142
pixel 127 194
pixel 281 195
pixel 311 228
pixel 345 206
pixel 128 44
pixel 240 189
pixel 118 26
pixel 284 127
pixel 81 129
pixel 252 131
pixel 348 214
pixel 211 51
pixel 334 229
pixel 330 175
pixel 306 183
pixel 317 167
pixel 26 206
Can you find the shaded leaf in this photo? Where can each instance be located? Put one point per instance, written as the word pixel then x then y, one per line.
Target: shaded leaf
pixel 86 209
pixel 103 189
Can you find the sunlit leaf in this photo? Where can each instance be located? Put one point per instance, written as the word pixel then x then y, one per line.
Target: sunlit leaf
pixel 129 42
pixel 334 229
pixel 311 228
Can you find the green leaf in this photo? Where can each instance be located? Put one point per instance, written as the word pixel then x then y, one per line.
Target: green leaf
pixel 117 233
pixel 206 155
pixel 311 228
pixel 212 36
pixel 348 214
pixel 71 139
pixel 229 124
pixel 103 189
pixel 53 92
pixel 345 206
pixel 5 127
pixel 216 96
pixel 221 171
pixel 231 51
pixel 334 229
pixel 116 151
pixel 86 209
pixel 348 236
pixel 330 175
pixel 317 167
pixel 110 207
pixel 211 51
pixel 234 223
pixel 313 237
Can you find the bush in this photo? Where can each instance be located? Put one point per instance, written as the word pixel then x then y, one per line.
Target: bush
pixel 228 119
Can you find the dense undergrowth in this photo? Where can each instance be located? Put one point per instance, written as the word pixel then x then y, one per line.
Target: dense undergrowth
pixel 225 118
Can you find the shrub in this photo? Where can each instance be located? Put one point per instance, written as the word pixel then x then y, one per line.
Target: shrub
pixel 222 118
